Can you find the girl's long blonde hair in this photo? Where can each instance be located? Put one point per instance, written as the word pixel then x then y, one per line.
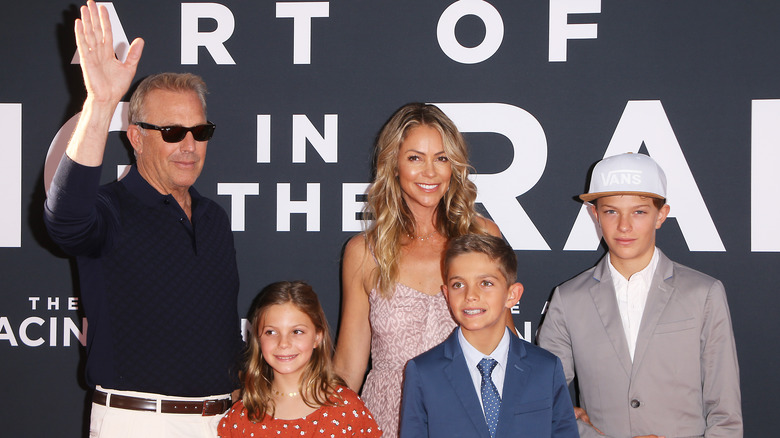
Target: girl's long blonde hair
pixel 392 218
pixel 318 381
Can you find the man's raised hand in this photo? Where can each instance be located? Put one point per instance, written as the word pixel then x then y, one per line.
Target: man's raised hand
pixel 107 79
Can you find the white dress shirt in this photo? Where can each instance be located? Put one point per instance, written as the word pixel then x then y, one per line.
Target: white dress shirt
pixel 473 356
pixel 631 298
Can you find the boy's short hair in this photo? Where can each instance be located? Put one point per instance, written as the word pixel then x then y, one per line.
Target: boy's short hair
pixel 657 202
pixel 494 247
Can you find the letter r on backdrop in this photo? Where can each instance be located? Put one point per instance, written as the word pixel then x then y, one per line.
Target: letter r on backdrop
pixel 213 41
pixel 498 191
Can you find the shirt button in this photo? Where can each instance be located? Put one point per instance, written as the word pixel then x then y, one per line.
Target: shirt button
pixel 635 403
pixel 166 201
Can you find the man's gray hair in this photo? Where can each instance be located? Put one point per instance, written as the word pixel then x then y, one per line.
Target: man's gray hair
pixel 165 81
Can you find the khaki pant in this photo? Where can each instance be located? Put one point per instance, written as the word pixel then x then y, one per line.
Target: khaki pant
pixel 108 422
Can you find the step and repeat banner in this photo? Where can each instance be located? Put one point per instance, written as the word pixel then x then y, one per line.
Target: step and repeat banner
pixel 299 91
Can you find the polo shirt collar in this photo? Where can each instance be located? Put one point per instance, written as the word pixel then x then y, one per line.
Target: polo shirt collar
pixel 141 189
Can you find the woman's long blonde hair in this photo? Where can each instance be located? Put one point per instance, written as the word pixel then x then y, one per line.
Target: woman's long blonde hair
pixel 318 381
pixel 392 218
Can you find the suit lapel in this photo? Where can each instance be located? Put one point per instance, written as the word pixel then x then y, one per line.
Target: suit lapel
pixel 515 380
pixel 457 374
pixel 603 295
pixel 657 298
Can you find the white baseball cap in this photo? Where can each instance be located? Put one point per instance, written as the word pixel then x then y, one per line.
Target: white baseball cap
pixel 626 174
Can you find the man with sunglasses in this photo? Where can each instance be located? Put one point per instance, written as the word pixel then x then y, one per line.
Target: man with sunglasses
pixel 157 265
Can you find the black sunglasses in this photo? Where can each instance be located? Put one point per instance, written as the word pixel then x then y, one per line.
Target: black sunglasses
pixel 175 134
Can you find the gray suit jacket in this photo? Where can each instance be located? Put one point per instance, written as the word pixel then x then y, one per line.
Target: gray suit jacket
pixel 684 380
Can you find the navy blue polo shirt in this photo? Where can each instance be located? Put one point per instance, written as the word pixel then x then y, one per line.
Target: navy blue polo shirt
pixel 159 291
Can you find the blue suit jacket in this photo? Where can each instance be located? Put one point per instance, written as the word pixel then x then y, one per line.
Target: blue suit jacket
pixel 439 399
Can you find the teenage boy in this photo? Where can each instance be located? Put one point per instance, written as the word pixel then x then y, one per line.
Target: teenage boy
pixel 649 340
pixel 482 381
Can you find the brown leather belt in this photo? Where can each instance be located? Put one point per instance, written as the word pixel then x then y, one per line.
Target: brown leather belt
pixel 205 408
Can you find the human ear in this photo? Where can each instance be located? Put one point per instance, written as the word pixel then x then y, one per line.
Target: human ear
pixel 136 138
pixel 594 212
pixel 663 213
pixel 515 292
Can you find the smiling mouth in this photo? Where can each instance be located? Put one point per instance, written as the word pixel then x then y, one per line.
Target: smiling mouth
pixel 428 186
pixel 286 358
pixel 473 311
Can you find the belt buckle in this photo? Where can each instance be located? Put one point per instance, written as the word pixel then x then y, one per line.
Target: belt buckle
pixel 207 404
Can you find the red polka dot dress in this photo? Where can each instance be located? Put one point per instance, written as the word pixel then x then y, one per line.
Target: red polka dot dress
pixel 350 418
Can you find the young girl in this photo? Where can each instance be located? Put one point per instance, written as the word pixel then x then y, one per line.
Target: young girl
pixel 290 389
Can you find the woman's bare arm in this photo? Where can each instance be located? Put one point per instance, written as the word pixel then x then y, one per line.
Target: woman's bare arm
pixel 353 346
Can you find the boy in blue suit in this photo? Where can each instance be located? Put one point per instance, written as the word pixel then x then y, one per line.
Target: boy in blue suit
pixel 482 381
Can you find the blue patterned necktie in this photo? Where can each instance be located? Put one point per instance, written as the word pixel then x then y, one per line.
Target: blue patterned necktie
pixel 491 401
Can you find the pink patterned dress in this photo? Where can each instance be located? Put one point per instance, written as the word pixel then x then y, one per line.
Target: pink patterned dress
pixel 409 323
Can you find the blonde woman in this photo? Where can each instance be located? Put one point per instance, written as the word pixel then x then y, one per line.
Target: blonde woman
pixel 392 305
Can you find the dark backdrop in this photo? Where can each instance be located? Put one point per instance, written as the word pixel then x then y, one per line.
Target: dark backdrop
pixel 299 101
